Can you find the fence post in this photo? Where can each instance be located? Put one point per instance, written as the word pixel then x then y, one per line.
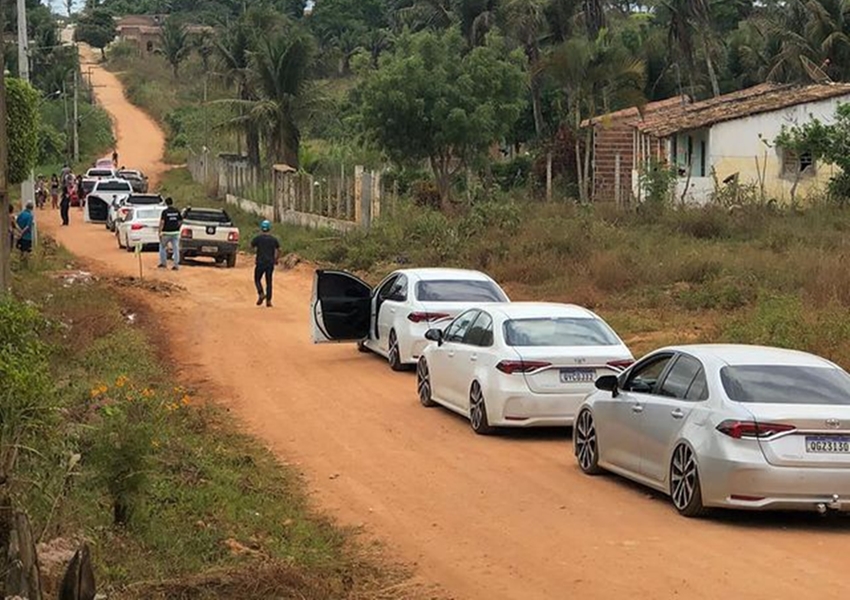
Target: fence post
pixel 358 194
pixel 366 199
pixel 376 194
pixel 617 196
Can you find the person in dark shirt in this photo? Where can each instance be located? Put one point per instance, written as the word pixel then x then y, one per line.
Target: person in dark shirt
pixel 65 206
pixel 169 233
pixel 268 255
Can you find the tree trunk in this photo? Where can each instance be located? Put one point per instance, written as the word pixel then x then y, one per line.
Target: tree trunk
pixel 252 144
pixel 533 53
pixel 5 248
pixel 712 75
pixel 22 577
pixel 442 177
pixel 587 150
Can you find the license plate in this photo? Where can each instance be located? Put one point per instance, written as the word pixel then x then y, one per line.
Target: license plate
pixel 828 444
pixel 209 249
pixel 578 375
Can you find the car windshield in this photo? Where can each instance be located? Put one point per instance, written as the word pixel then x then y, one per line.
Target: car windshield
pixel 786 384
pixel 114 186
pixel 559 331
pixel 145 200
pixel 458 290
pixel 207 216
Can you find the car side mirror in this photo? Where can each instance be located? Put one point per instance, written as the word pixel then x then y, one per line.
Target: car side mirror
pixel 608 383
pixel 435 335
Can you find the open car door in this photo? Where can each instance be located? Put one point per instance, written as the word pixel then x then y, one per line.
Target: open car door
pixel 341 306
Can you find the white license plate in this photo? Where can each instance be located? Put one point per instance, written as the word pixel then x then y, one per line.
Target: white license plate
pixel 578 375
pixel 828 444
pixel 209 249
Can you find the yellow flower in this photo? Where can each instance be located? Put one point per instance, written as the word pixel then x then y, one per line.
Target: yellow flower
pixel 99 390
pixel 186 400
pixel 148 393
pixel 121 381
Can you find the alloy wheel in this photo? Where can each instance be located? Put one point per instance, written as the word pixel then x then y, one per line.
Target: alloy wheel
pixel 478 411
pixel 423 383
pixel 684 479
pixel 394 355
pixel 586 449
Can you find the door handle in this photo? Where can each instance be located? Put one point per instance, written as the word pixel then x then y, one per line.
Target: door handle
pixel 637 408
pixel 677 413
pixel 473 358
pixel 392 310
pixel 450 354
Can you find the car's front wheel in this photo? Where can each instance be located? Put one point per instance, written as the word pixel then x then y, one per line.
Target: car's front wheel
pixel 394 353
pixel 685 488
pixel 585 444
pixel 478 412
pixel 423 384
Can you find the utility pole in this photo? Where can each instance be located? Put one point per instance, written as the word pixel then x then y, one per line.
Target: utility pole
pixel 28 187
pixel 5 248
pixel 76 113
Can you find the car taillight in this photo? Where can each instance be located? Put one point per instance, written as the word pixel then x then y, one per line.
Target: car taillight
pixel 752 430
pixel 510 367
pixel 233 236
pixel 136 226
pixel 620 364
pixel 419 317
pixel 186 233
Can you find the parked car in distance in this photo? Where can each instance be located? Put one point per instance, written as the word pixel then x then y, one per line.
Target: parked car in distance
pixel 122 206
pixel 731 426
pixel 391 319
pixel 104 163
pixel 103 200
pixel 138 225
pixel 100 173
pixel 209 232
pixel 137 179
pixel 520 364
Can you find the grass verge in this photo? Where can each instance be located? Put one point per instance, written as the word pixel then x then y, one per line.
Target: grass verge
pixel 174 501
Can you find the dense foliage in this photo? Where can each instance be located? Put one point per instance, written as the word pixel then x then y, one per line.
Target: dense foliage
pixel 22 127
pixel 96 28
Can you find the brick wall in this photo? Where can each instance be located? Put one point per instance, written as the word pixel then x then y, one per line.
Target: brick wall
pixel 609 140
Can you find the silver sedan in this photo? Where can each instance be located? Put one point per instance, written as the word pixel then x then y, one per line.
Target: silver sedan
pixel 729 426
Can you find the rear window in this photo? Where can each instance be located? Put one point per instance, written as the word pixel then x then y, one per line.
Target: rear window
pixel 114 186
pixel 144 200
pixel 786 384
pixel 559 331
pixel 458 291
pixel 99 173
pixel 207 216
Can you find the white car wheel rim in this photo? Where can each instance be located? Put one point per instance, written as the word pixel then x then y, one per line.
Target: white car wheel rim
pixel 476 408
pixel 424 383
pixel 683 477
pixel 585 441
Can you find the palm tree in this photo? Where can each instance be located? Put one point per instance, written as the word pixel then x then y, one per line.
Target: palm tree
pixel 595 76
pixel 174 40
pixel 689 25
pixel 204 44
pixel 526 21
pixel 234 50
pixel 281 76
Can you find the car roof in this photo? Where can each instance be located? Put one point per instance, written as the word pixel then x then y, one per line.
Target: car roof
pixel 743 354
pixel 437 274
pixel 531 310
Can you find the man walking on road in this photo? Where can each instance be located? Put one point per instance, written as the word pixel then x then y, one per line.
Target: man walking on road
pixel 268 255
pixel 169 233
pixel 65 206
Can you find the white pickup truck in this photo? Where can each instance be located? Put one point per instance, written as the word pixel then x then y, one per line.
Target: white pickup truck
pixel 209 232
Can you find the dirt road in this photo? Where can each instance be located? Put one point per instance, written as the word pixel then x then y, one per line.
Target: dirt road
pixel 508 517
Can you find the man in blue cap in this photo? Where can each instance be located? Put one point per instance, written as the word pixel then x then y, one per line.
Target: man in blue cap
pixel 268 255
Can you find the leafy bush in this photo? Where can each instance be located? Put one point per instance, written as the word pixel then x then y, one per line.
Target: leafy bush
pixel 22 128
pixel 513 173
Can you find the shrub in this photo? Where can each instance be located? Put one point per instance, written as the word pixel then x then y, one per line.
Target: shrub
pixel 513 173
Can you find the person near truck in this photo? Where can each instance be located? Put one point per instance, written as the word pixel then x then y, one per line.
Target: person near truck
pixel 268 255
pixel 169 233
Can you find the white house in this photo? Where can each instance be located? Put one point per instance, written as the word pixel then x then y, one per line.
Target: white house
pixel 730 139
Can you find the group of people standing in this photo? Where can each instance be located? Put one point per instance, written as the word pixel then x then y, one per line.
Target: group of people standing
pixel 63 189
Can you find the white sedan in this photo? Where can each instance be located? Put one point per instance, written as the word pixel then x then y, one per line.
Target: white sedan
pixel 730 426
pixel 392 318
pixel 138 226
pixel 520 364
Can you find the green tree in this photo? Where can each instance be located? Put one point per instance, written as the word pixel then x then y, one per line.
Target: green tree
pixel 174 41
pixel 97 29
pixel 596 77
pixel 22 127
pixel 430 101
pixel 526 21
pixel 233 49
pixel 280 71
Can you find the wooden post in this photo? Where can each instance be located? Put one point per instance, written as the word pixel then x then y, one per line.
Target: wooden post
pixel 22 578
pixel 358 194
pixel 376 194
pixel 617 192
pixel 549 176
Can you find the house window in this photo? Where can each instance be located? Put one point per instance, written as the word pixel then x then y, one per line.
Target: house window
pixel 798 163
